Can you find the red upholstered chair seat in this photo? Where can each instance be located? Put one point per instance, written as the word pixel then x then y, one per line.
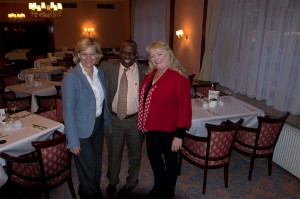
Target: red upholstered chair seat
pixel 48 167
pixel 210 152
pixel 260 142
pixel 50 114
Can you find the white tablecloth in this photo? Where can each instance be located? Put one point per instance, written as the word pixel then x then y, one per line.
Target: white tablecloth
pixel 45 61
pixel 61 54
pixel 21 90
pixel 233 110
pixel 45 72
pixel 19 140
pixel 17 54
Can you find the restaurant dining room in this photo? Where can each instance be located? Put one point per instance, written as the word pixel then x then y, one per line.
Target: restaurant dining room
pixel 242 60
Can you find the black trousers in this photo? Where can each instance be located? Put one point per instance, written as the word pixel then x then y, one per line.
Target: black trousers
pixel 164 161
pixel 89 163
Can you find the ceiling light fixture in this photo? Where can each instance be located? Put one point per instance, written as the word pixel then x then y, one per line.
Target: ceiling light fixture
pixel 16 17
pixel 50 11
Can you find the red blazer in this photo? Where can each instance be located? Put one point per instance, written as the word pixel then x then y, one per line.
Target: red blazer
pixel 168 102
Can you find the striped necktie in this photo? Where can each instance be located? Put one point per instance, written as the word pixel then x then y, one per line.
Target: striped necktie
pixel 122 97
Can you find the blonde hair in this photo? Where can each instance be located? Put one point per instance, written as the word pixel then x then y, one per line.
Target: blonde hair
pixel 85 43
pixel 174 64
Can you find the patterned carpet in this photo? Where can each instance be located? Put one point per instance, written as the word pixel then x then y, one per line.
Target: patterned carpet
pixel 189 185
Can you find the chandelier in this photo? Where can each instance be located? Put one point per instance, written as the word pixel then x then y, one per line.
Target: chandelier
pixel 16 17
pixel 45 11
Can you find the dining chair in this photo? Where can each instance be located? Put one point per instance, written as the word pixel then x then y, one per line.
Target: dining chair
pixel 59 109
pixel 191 78
pixel 62 62
pixel 210 152
pixel 58 89
pixel 204 87
pixel 54 113
pixel 192 91
pixel 39 57
pixel 69 58
pixel 260 142
pixel 47 102
pixel 7 94
pixel 18 104
pixel 10 80
pixel 50 114
pixel 4 95
pixel 3 69
pixel 57 77
pixel 46 168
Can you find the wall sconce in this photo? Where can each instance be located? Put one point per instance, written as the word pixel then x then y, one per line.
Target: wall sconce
pixel 88 31
pixel 180 34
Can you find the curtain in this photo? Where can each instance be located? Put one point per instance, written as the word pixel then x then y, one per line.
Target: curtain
pixel 257 51
pixel 149 23
pixel 213 13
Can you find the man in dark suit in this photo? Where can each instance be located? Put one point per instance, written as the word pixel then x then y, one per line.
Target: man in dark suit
pixel 123 129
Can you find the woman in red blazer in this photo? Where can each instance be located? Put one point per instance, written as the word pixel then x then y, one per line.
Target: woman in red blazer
pixel 164 115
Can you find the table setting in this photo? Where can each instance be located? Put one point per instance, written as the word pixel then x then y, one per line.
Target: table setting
pixel 216 108
pixel 17 54
pixel 18 130
pixel 34 87
pixel 43 71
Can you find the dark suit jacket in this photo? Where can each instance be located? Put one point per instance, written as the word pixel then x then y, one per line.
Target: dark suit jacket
pixel 111 71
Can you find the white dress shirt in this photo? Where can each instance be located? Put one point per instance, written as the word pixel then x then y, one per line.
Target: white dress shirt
pixel 97 89
pixel 133 90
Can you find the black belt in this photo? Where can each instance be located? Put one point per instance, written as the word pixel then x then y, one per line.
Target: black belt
pixel 127 116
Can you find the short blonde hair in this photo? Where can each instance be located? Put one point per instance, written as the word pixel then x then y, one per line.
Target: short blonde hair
pixel 174 64
pixel 85 43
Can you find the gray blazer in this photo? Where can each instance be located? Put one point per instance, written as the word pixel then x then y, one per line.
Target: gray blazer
pixel 111 70
pixel 79 105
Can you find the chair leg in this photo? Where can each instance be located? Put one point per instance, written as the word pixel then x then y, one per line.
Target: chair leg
pixel 226 175
pixel 71 187
pixel 204 181
pixel 270 165
pixel 179 165
pixel 47 194
pixel 251 167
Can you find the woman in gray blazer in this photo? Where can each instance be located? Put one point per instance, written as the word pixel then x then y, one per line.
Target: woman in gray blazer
pixel 85 113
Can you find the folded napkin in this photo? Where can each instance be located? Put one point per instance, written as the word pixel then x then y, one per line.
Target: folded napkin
pixel 2 115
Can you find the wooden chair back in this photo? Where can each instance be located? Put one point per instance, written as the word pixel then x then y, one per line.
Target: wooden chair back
pixel 210 152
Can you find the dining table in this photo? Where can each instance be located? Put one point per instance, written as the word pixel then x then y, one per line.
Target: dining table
pixel 17 54
pixel 43 71
pixel 49 61
pixel 228 108
pixel 44 88
pixel 61 54
pixel 31 127
pixel 16 136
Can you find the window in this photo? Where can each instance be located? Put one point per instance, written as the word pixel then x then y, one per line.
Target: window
pixel 257 51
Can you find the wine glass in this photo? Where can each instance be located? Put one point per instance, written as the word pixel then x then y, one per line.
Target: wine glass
pixel 6 114
pixel 199 95
pixel 228 94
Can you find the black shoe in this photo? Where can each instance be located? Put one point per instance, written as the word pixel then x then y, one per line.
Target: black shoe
pixel 158 192
pixel 155 193
pixel 111 189
pixel 125 191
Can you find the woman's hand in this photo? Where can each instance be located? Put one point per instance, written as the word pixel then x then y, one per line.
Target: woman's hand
pixel 176 144
pixel 75 150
